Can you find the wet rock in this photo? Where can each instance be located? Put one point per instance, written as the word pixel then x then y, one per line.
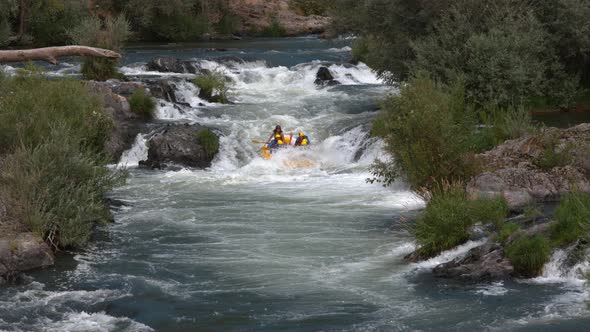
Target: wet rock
pixel 162 89
pixel 482 263
pixel 173 65
pixel 126 123
pixel 23 252
pixel 512 171
pixel 325 78
pixel 182 144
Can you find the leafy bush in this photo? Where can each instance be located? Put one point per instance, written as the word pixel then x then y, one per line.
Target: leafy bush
pixel 4 31
pixel 275 29
pixel 448 217
pixel 142 104
pixel 573 219
pixel 227 25
pixel 209 141
pixel 428 130
pixel 180 28
pixel 50 21
pixel 214 86
pixel 54 176
pixel 528 255
pixel 507 230
pixel 113 36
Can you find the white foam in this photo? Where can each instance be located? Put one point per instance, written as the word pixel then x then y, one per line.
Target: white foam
pixel 449 255
pixel 494 289
pixel 137 153
pixel 556 270
pixel 94 322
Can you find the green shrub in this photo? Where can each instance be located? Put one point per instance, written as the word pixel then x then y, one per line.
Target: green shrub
pixel 100 69
pixel 180 28
pixel 50 21
pixel 4 31
pixel 490 211
pixel 501 124
pixel 31 105
pixel 312 7
pixel 110 34
pixel 553 155
pixel 572 219
pixel 214 87
pixel 507 230
pixel 209 141
pixel 54 175
pixel 275 29
pixel 57 189
pixel 227 25
pixel 428 130
pixel 528 255
pixel 142 104
pixel 447 219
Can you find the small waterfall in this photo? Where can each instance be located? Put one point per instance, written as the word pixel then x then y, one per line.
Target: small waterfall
pixel 137 153
pixel 559 269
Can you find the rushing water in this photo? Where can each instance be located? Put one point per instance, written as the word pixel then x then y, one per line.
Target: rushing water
pixel 257 245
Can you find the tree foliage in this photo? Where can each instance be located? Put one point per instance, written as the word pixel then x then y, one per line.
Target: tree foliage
pixel 507 51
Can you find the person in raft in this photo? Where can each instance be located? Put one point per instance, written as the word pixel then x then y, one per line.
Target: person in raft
pixel 275 132
pixel 302 140
pixel 276 143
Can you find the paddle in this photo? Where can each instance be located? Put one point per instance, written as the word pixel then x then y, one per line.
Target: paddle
pixel 258 142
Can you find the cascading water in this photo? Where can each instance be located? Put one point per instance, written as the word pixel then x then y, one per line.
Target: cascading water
pixel 256 245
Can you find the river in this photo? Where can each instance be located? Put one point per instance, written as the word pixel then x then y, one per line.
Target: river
pixel 260 245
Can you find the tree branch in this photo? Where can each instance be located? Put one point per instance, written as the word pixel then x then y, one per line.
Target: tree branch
pixel 51 54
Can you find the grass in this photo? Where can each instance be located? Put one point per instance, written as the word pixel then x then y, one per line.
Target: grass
pixel 100 69
pixel 209 141
pixel 528 255
pixel 142 104
pixel 507 230
pixel 54 174
pixel 214 87
pixel 572 219
pixel 501 124
pixel 553 155
pixel 448 217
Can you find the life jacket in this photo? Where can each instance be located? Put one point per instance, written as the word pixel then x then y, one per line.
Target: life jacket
pixel 302 141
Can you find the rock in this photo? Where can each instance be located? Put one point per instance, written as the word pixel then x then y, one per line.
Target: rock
pixel 482 263
pixel 513 173
pixel 162 89
pixel 325 78
pixel 182 144
pixel 21 253
pixel 126 123
pixel 173 65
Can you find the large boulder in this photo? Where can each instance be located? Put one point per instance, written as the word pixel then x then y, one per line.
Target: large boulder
pixel 23 252
pixel 182 144
pixel 173 65
pixel 512 172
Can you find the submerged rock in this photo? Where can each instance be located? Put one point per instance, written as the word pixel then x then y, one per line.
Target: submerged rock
pixel 513 173
pixel 325 78
pixel 182 144
pixel 23 252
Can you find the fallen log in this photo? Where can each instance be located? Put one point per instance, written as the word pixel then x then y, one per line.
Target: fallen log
pixel 51 54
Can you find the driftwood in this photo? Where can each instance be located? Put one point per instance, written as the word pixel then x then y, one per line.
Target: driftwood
pixel 51 54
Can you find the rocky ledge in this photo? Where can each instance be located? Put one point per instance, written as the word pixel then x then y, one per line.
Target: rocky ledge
pixel 515 170
pixel 534 169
